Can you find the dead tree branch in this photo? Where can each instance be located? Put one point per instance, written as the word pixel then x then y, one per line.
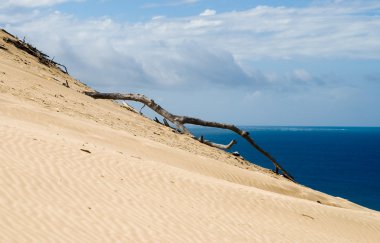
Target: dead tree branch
pixel 158 121
pixel 8 33
pixel 179 121
pixel 217 145
pixel 141 109
pixel 166 123
pixel 42 57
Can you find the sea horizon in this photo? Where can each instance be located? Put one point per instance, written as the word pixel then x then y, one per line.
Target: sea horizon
pixel 338 160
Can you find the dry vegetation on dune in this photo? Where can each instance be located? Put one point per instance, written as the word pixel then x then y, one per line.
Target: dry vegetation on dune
pixel 76 169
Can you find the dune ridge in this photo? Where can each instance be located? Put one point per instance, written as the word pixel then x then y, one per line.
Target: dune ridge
pixel 75 169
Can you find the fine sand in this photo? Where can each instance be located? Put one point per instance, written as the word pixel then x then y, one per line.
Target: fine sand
pixel 75 169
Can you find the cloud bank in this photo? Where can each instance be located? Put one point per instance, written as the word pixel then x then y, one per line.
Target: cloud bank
pixel 216 55
pixel 170 4
pixel 200 50
pixel 30 3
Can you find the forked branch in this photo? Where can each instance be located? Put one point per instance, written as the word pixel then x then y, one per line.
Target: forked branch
pixel 179 121
pixel 217 145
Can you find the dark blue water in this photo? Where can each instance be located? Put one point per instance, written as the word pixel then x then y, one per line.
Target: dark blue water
pixel 341 161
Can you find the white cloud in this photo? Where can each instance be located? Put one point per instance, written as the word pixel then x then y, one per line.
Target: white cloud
pixel 188 1
pixel 196 51
pixel 208 12
pixel 158 17
pixel 302 75
pixel 251 96
pixel 170 3
pixel 30 3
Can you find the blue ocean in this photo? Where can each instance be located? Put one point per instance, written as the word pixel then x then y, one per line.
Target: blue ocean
pixel 340 161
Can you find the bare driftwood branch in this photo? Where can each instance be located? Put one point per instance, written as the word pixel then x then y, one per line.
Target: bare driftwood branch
pixel 142 99
pixel 179 121
pixel 8 33
pixel 158 121
pixel 166 123
pixel 62 66
pixel 28 48
pixel 66 84
pixel 141 109
pixel 217 145
pixel 128 107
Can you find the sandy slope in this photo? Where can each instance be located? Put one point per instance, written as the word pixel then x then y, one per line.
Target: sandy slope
pixel 74 169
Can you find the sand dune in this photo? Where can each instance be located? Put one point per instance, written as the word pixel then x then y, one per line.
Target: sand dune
pixel 74 169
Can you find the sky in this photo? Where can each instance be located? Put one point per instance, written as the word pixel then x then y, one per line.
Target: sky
pixel 289 63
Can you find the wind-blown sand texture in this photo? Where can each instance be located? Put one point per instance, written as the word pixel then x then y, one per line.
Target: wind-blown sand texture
pixel 75 169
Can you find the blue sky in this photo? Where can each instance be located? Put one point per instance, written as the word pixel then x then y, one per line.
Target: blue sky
pixel 145 10
pixel 244 62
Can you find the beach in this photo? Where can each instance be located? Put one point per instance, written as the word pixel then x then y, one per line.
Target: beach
pixel 76 169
